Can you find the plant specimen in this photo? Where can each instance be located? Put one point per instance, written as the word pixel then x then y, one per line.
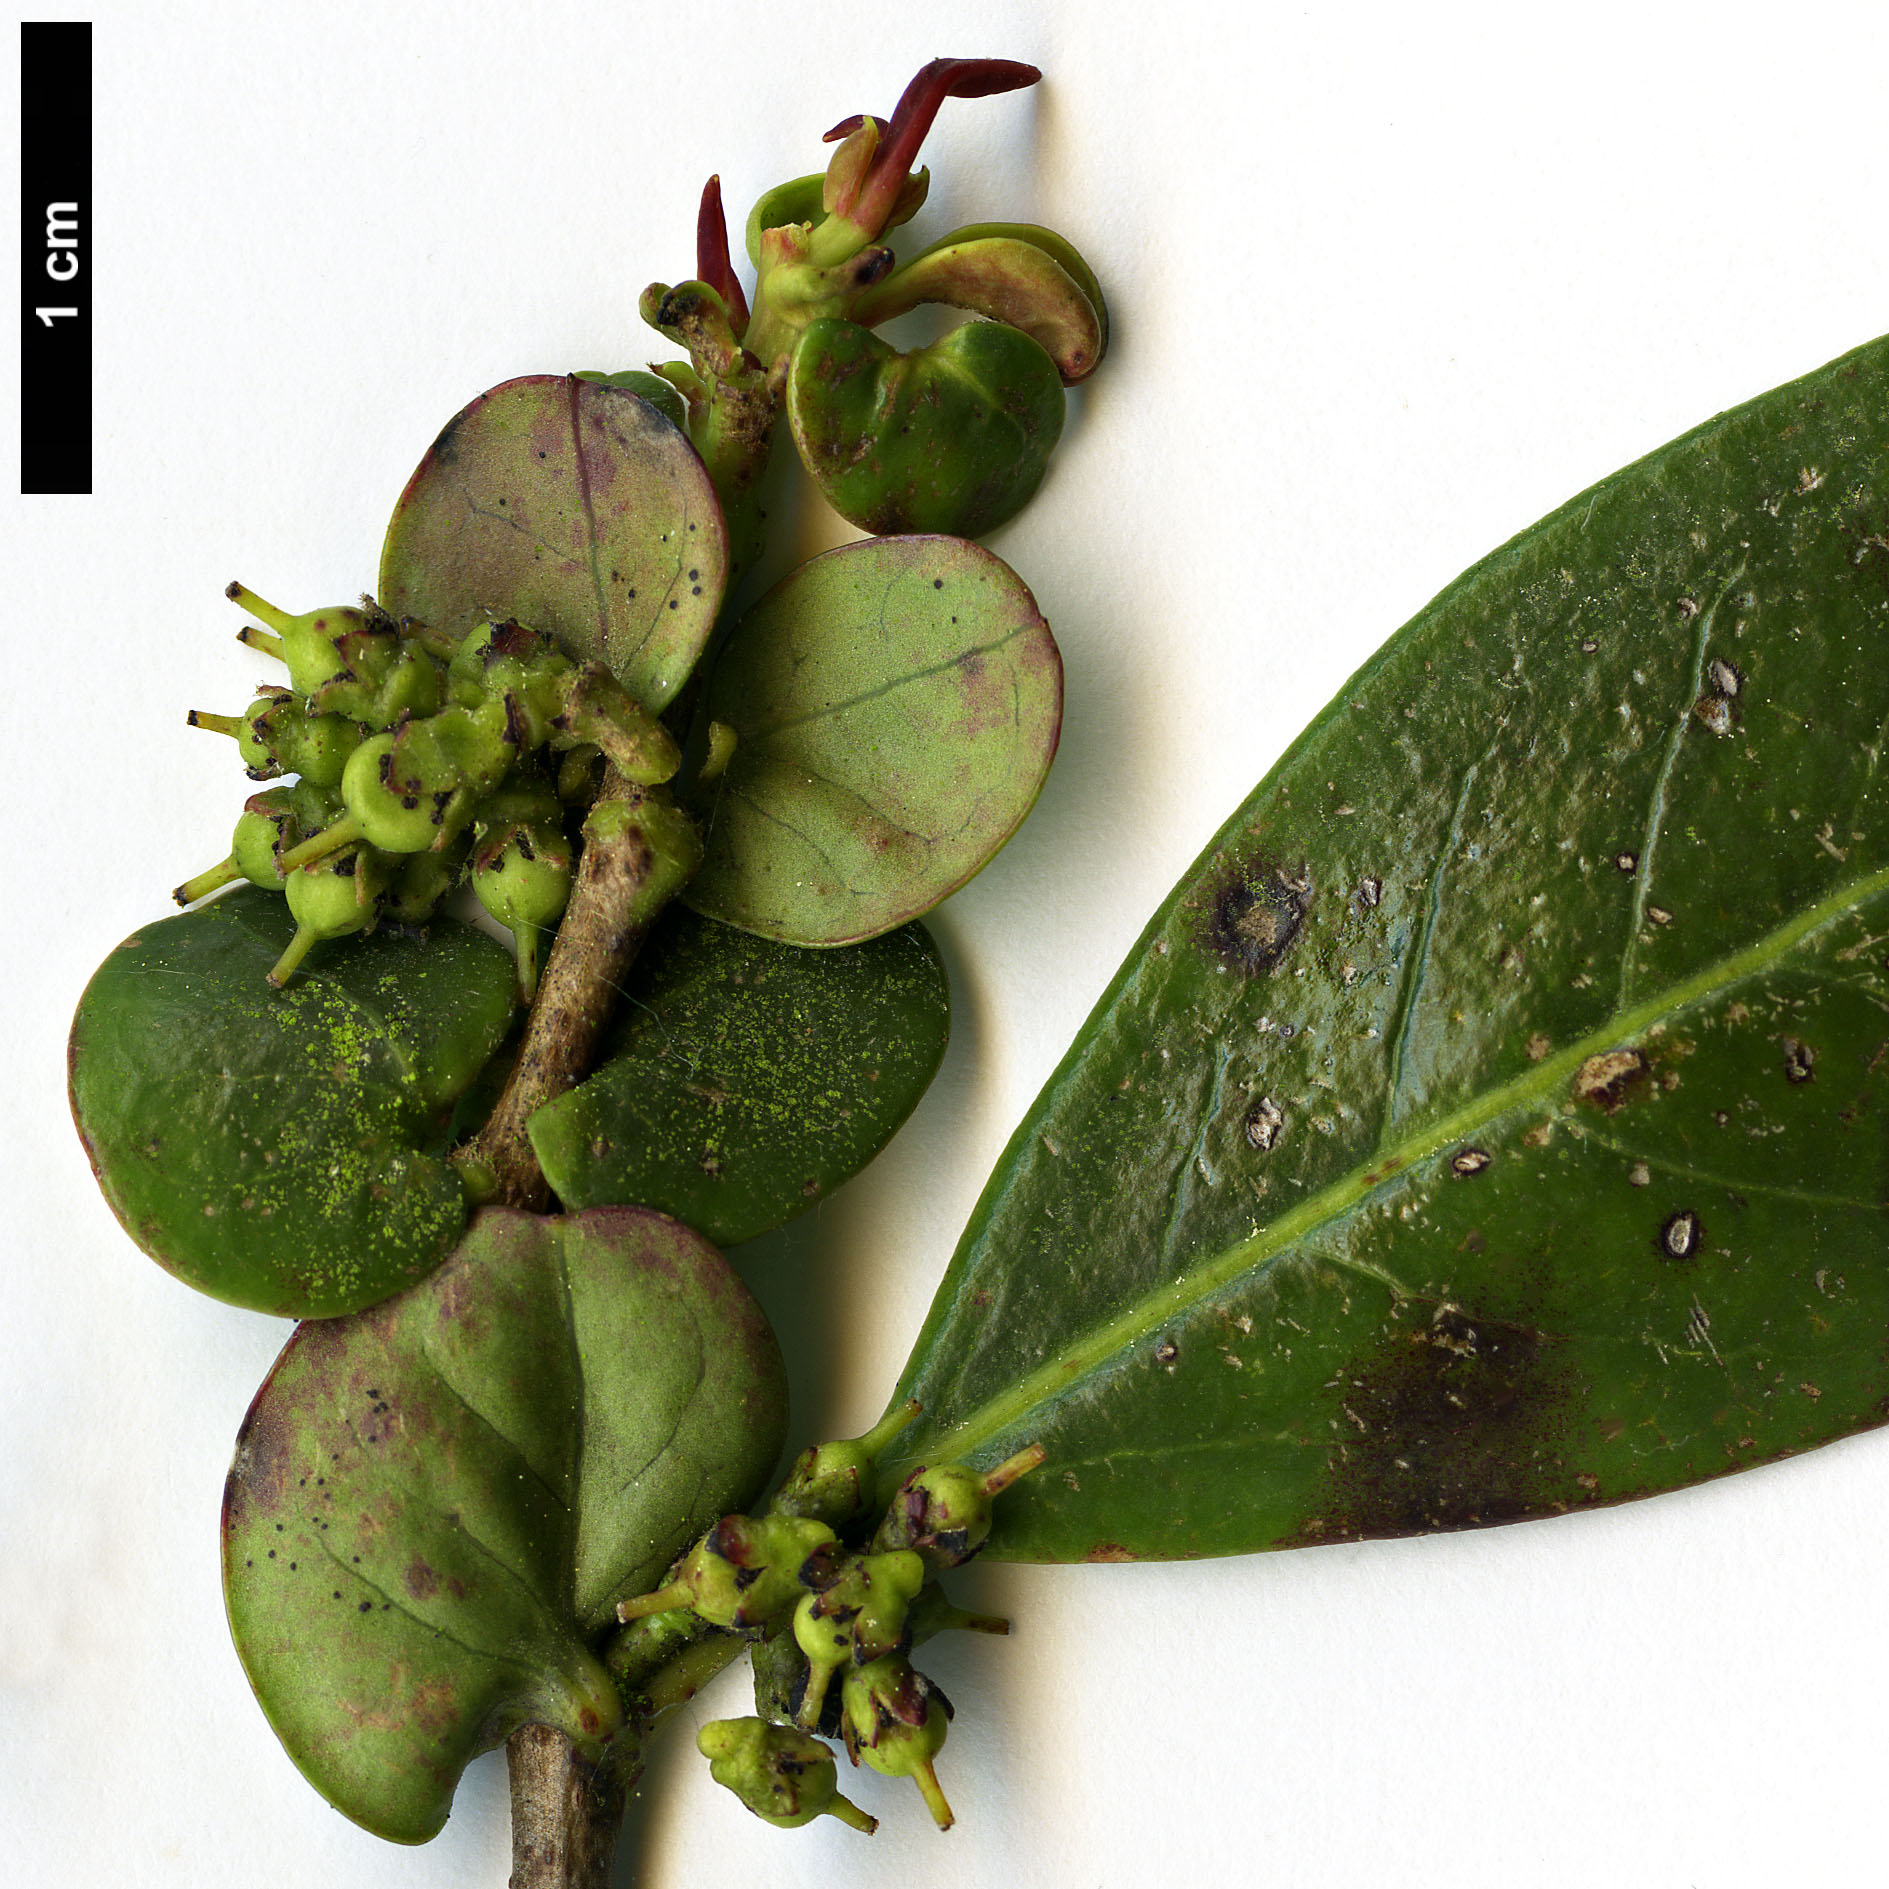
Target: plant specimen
pixel 1488 1126
pixel 307 1095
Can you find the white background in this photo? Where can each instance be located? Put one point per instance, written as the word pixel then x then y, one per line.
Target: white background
pixel 1388 284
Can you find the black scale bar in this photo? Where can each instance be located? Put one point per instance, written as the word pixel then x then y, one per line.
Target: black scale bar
pixel 56 256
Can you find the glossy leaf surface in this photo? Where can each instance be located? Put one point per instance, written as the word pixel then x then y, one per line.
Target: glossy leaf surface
pixel 1014 273
pixel 954 437
pixel 747 1079
pixel 435 1505
pixel 897 704
pixel 285 1150
pixel 1492 1123
pixel 576 508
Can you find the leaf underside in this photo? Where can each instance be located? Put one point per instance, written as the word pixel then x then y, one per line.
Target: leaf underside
pixel 284 1150
pixel 746 1080
pixel 434 1505
pixel 576 508
pixel 897 704
pixel 1492 1123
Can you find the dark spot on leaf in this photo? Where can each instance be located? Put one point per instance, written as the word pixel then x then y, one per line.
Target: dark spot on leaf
pixel 422 1582
pixel 1679 1237
pixel 1255 916
pixel 1109 1551
pixel 1610 1079
pixel 1166 1351
pixel 1462 1423
pixel 1263 1123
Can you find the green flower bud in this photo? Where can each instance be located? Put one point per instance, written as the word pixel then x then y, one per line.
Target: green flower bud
pixel 388 681
pixel 944 1512
pixel 266 822
pixel 329 900
pixel 280 736
pixel 418 786
pixel 781 1676
pixel 512 662
pixel 308 644
pixel 422 880
pixel 784 1777
pixel 276 735
pixel 743 1572
pixel 550 699
pixel 832 1482
pixel 347 662
pixel 895 1719
pixel 269 824
pixel 860 1618
pixel 522 866
pixel 580 774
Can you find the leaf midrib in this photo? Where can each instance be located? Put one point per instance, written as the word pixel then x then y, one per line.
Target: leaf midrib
pixel 1072 1366
pixel 762 731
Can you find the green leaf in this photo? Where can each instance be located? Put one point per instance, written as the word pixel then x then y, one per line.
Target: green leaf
pixel 953 437
pixel 897 704
pixel 435 1505
pixel 284 1150
pixel 1492 1123
pixel 646 386
pixel 1010 272
pixel 580 510
pixel 748 1079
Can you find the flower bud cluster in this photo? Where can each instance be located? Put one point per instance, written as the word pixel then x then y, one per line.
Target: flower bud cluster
pixel 828 1596
pixel 420 758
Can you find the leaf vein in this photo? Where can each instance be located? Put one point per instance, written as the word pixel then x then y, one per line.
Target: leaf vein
pixel 1411 991
pixel 1064 1372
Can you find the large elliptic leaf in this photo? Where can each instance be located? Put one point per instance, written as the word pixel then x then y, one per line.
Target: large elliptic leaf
pixel 1493 1121
pixel 747 1079
pixel 435 1505
pixel 952 437
pixel 576 508
pixel 284 1150
pixel 897 704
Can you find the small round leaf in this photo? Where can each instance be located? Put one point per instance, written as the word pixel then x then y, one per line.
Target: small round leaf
pixel 748 1079
pixel 434 1506
pixel 284 1150
pixel 950 438
pixel 897 704
pixel 576 508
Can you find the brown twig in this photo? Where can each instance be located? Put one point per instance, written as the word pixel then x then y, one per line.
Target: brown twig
pixel 638 852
